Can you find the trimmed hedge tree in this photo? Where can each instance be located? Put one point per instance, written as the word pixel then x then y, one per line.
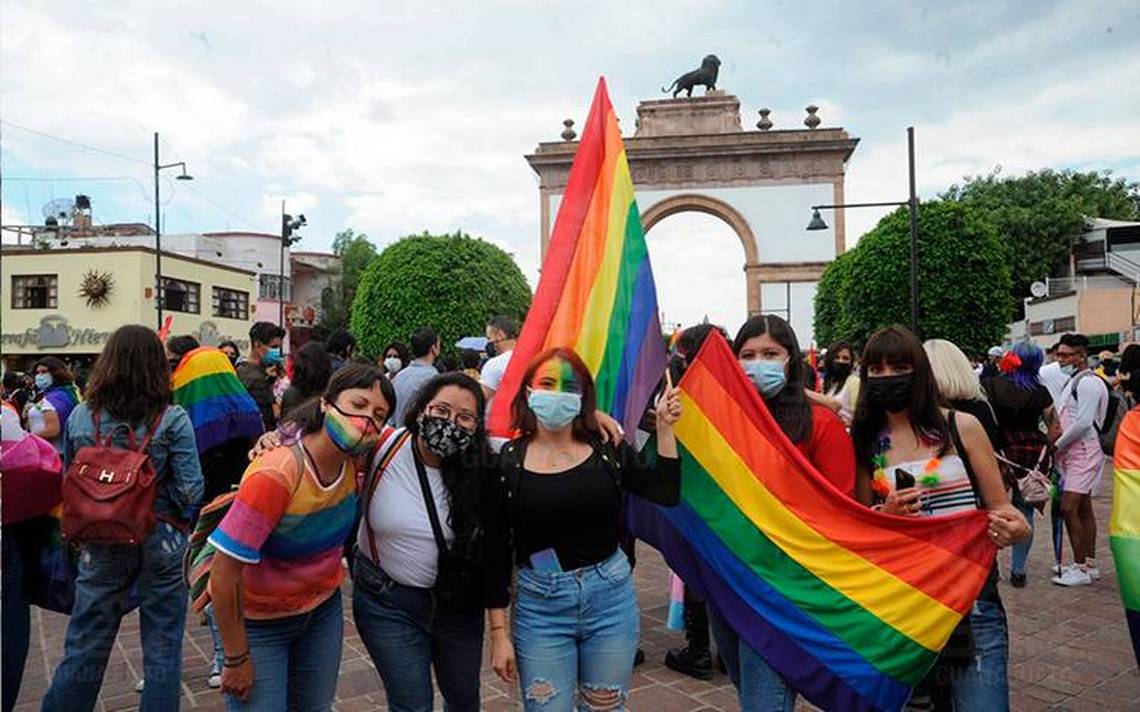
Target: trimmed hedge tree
pixel 452 283
pixel 963 280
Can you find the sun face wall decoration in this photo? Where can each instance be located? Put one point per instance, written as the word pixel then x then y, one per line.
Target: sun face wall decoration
pixel 96 288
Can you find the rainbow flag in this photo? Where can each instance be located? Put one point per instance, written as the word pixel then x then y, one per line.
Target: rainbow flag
pixel 64 399
pixel 849 605
pixel 596 294
pixel 1124 527
pixel 220 408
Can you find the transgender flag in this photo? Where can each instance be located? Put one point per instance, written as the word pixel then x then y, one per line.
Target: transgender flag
pixel 596 294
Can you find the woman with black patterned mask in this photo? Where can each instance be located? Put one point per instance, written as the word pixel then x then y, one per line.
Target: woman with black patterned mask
pixel 417 589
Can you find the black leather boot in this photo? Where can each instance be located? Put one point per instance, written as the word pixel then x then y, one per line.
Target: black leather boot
pixel 694 659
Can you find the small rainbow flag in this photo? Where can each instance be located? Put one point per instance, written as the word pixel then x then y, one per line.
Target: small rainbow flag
pixel 63 398
pixel 1124 527
pixel 596 294
pixel 220 408
pixel 849 605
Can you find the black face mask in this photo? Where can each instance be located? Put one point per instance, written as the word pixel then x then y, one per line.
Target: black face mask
pixel 891 393
pixel 492 349
pixel 840 371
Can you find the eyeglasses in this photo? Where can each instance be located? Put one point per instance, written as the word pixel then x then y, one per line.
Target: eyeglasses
pixel 464 419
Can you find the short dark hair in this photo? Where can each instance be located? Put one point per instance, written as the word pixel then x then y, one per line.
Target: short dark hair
pixel 311 369
pixel 341 342
pixel 1080 342
pixel 505 324
pixel 423 339
pixel 13 380
pixel 181 345
pixel 265 331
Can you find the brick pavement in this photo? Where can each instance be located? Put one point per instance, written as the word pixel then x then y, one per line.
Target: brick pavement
pixel 1069 650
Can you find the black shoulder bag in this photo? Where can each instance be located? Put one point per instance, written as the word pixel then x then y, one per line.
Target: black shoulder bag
pixel 457 587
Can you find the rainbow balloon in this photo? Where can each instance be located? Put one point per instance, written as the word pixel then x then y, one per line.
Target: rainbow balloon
pixel 849 605
pixel 220 408
pixel 1124 528
pixel 596 294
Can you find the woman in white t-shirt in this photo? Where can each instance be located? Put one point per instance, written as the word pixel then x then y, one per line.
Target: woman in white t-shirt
pixel 840 383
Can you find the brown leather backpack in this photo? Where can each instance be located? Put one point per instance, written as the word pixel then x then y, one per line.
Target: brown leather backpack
pixel 108 492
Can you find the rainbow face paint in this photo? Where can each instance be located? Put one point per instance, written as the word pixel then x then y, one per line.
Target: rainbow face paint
pixel 556 375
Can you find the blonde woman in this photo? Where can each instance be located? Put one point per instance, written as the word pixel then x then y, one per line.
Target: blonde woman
pixel 960 388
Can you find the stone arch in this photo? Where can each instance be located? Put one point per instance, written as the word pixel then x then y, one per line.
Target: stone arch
pixel 695 202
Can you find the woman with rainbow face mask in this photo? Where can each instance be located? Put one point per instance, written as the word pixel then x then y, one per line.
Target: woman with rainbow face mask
pixel 556 515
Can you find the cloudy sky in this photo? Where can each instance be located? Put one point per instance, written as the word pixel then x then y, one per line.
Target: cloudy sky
pixel 393 118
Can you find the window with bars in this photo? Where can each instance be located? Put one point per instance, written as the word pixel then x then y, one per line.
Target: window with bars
pixel 181 296
pixel 35 291
pixel 272 286
pixel 231 303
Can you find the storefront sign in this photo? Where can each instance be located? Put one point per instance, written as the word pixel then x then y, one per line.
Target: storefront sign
pixel 55 333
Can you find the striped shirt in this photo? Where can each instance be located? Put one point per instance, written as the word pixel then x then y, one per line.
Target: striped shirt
pixel 290 530
pixel 953 493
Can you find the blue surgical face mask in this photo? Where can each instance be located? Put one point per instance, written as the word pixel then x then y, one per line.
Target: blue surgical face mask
pixel 1068 369
pixel 43 381
pixel 273 357
pixel 768 376
pixel 553 409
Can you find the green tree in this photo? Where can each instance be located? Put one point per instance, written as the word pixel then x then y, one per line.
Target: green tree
pixel 830 314
pixel 355 251
pixel 963 277
pixel 1037 215
pixel 451 282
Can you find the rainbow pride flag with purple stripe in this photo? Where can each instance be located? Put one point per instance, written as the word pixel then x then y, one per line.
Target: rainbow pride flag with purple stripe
pixel 596 294
pixel 220 408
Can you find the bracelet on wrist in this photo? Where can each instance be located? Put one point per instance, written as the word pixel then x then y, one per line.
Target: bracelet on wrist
pixel 236 663
pixel 238 656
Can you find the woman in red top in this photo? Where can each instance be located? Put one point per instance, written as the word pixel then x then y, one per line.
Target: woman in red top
pixel 769 353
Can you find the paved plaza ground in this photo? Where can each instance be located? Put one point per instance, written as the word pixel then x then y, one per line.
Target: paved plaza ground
pixel 1069 650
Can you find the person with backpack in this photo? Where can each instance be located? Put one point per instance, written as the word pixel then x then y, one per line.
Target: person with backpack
pixel 275 574
pixel 555 512
pixel 1084 410
pixel 131 480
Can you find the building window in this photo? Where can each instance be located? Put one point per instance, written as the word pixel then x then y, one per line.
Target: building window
pixel 181 296
pixel 231 303
pixel 35 291
pixel 272 286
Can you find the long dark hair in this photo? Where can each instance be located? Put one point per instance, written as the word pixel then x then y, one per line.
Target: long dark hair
pixel 60 373
pixel 898 346
pixel 309 416
pixel 131 377
pixel 463 473
pixel 790 407
pixel 833 351
pixel 585 426
pixel 312 367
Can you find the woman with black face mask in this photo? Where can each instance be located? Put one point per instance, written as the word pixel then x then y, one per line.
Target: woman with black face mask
pixel 840 383
pixel 916 458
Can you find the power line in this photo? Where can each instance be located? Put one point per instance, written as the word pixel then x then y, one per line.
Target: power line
pixel 77 144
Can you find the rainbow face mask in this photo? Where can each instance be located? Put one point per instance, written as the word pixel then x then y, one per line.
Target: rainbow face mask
pixel 352 434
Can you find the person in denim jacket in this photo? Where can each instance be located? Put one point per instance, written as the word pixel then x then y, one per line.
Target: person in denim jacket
pixel 130 389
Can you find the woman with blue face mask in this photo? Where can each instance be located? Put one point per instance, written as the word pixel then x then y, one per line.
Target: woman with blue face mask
pixel 556 514
pixel 770 355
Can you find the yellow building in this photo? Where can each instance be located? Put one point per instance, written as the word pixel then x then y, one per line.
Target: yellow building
pixel 67 302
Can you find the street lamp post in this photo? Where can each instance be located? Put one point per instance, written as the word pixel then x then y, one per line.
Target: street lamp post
pixel 817 223
pixel 288 225
pixel 158 295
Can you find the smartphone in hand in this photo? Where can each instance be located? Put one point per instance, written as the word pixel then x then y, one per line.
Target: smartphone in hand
pixel 903 479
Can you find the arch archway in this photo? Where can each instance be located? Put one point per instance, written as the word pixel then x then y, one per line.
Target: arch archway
pixel 695 202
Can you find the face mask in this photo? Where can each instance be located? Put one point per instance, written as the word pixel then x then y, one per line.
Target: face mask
pixel 443 437
pixel 553 409
pixel 1067 369
pixel 43 381
pixel 840 370
pixel 232 358
pixel 272 357
pixel 393 364
pixel 891 393
pixel 768 376
pixel 352 434
pixel 492 349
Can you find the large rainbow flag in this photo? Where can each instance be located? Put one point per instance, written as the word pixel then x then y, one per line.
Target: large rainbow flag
pixel 1124 528
pixel 850 605
pixel 220 408
pixel 596 294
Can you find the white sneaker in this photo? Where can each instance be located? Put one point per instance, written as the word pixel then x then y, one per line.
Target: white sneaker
pixel 214 681
pixel 1093 572
pixel 1073 576
pixel 140 685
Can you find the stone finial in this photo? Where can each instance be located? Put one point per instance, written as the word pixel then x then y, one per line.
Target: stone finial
pixel 811 121
pixel 764 123
pixel 569 134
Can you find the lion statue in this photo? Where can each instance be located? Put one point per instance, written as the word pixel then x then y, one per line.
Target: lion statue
pixel 706 75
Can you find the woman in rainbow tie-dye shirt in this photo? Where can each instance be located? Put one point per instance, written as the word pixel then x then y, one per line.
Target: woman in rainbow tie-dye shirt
pixel 275 582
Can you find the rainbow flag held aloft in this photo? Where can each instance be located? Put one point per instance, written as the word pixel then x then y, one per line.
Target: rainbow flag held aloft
pixel 596 294
pixel 1124 527
pixel 220 408
pixel 849 605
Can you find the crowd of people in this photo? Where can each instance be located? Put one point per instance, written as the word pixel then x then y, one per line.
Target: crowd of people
pixel 325 463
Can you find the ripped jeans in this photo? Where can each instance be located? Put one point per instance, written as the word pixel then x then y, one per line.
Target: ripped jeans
pixel 575 637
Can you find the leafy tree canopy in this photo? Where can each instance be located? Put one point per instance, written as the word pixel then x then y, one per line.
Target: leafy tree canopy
pixel 451 282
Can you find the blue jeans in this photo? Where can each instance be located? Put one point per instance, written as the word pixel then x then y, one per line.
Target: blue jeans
pixel 407 635
pixel 216 639
pixel 759 686
pixel 1021 549
pixel 16 615
pixel 576 636
pixel 296 660
pixel 102 592
pixel 984 685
